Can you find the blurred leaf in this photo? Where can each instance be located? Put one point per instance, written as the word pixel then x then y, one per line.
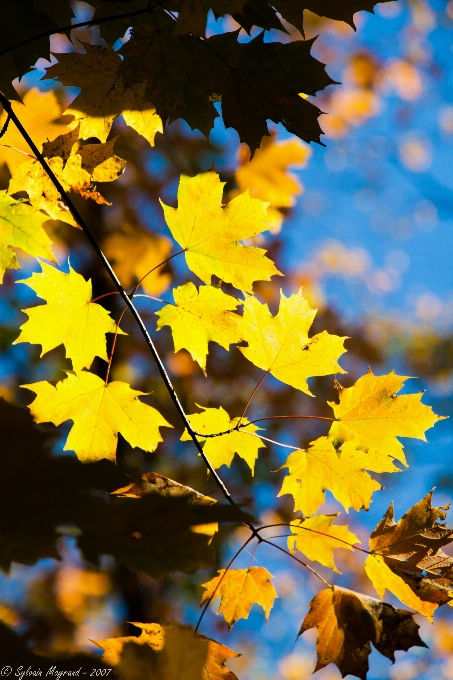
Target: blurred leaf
pixel 167 653
pixel 199 316
pixel 281 346
pixel 347 623
pixel 68 318
pixel 239 590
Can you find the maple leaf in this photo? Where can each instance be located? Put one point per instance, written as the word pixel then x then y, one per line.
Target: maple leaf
pixel 266 176
pixel 38 114
pixel 347 622
pixel 21 226
pixel 322 468
pixel 239 590
pixel 192 14
pixel 180 654
pixel 69 318
pixel 153 482
pixel 256 81
pixel 134 252
pixel 407 558
pixel 209 232
pixel 220 450
pixel 317 538
pixel 371 415
pixel 103 97
pixel 199 316
pixel 76 168
pixel 281 346
pixel 99 413
pixel 292 10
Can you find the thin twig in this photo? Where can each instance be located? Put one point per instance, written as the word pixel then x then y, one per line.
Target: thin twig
pixel 128 301
pixel 114 345
pixel 272 441
pixel 313 531
pixel 259 420
pixel 13 148
pixel 250 399
pixel 304 564
pixel 5 126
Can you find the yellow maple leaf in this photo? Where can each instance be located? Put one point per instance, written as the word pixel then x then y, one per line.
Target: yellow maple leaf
pixel 372 416
pixel 134 252
pixel 200 316
pixel 239 590
pixel 99 413
pixel 181 654
pixel 317 538
pixel 209 232
pixel 69 318
pixel 281 345
pixel 21 226
pixel 221 450
pixel 37 114
pixel 103 97
pixel 266 175
pixel 383 578
pixel 322 468
pixel 75 167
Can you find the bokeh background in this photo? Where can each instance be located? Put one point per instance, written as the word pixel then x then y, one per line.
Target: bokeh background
pixel 364 224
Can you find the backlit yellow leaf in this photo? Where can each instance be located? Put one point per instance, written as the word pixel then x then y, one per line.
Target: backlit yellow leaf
pixel 240 589
pixel 69 318
pixel 221 450
pixel 266 175
pixel 21 226
pixel 38 115
pixel 322 468
pixel 281 345
pixel 317 538
pixel 371 415
pixel 75 167
pixel 99 413
pixel 133 252
pixel 200 316
pixel 103 97
pixel 209 232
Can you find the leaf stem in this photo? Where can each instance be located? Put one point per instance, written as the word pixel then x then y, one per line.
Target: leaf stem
pixel 313 531
pixel 250 400
pixel 304 564
pixel 127 299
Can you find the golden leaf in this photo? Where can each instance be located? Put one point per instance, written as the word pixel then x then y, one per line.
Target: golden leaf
pixel 347 622
pixel 317 538
pixel 371 415
pixel 221 450
pixel 281 345
pixel 21 226
pixel 200 316
pixel 134 252
pixel 266 175
pixel 99 413
pixel 69 318
pixel 76 169
pixel 239 590
pixel 209 232
pixel 37 114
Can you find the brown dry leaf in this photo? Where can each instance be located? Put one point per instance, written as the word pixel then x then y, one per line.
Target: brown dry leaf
pixel 408 558
pixel 133 252
pixel 167 653
pixel 37 114
pixel 77 168
pixel 347 623
pixel 153 482
pixel 240 589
